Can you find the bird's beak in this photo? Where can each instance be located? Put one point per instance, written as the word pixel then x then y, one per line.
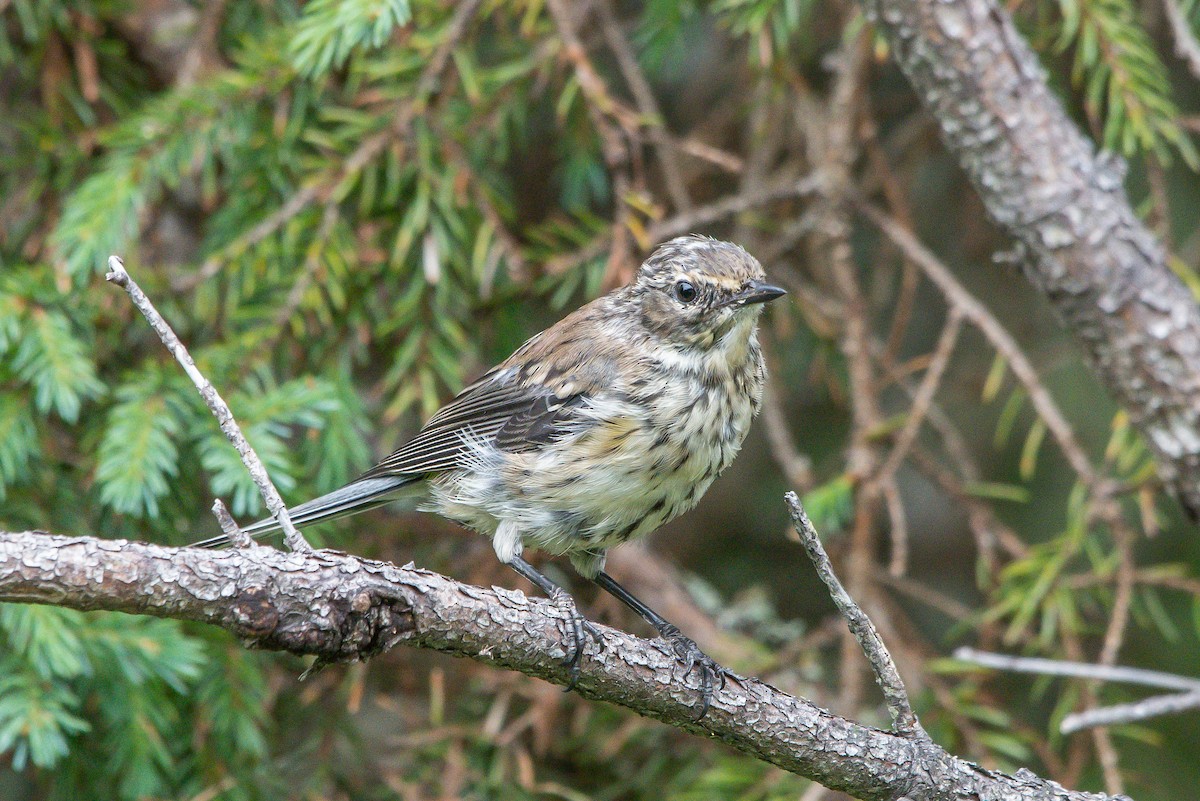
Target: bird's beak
pixel 759 292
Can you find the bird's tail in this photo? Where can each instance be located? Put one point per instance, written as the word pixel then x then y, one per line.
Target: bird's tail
pixel 357 496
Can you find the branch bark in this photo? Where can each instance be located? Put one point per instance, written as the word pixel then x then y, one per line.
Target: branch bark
pixel 340 607
pixel 1081 243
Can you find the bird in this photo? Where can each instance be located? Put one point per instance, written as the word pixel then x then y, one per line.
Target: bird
pixel 596 431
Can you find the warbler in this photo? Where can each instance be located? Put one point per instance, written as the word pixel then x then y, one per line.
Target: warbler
pixel 598 430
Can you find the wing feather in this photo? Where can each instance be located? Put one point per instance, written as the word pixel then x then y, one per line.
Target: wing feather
pixel 499 408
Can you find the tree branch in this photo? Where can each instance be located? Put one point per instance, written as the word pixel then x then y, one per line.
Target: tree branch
pixel 216 404
pixel 1081 243
pixel 340 607
pixel 1133 712
pixel 904 720
pixel 1169 704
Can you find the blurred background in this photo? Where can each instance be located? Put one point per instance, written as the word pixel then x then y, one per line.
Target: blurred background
pixel 348 209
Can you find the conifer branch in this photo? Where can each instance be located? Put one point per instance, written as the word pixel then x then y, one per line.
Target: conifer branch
pixel 342 608
pixel 1080 241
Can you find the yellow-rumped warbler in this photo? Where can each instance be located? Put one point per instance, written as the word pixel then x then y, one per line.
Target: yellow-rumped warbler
pixel 599 429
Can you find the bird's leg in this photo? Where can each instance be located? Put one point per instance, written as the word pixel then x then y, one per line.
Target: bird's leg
pixel 689 654
pixel 577 623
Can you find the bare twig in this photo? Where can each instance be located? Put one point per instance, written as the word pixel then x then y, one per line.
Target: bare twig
pixel 904 720
pixel 926 595
pixel 796 466
pixel 922 402
pixel 118 275
pixel 979 316
pixel 898 525
pixel 894 195
pixel 693 220
pixel 730 162
pixel 925 392
pixel 229 527
pixel 647 104
pixel 1114 635
pixel 612 123
pixel 1078 670
pixel 833 143
pixel 1152 707
pixel 1150 577
pixel 734 204
pixel 1186 46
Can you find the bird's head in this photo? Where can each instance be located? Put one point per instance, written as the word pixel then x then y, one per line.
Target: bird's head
pixel 694 291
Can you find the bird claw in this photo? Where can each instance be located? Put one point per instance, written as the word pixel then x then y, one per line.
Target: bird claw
pixel 577 628
pixel 712 675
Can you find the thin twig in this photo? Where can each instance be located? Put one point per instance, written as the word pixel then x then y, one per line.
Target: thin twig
pixel 763 136
pixel 734 204
pixel 295 204
pixel 1114 636
pixel 1186 46
pixel 919 411
pixel 1106 752
pixel 926 595
pixel 898 525
pixel 904 720
pixel 693 220
pixel 797 467
pixel 1078 670
pixel 897 202
pixel 118 275
pixel 730 162
pixel 647 104
pixel 925 393
pixel 833 142
pixel 1149 577
pixel 986 528
pixel 1132 712
pixel 235 535
pixel 610 121
pixel 979 315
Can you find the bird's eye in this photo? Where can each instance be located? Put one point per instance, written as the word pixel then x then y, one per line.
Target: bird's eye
pixel 685 291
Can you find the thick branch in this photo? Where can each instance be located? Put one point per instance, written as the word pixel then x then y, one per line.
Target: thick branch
pixel 1042 181
pixel 340 607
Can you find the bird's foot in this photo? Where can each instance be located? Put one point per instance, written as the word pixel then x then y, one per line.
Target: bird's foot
pixel 578 627
pixel 712 675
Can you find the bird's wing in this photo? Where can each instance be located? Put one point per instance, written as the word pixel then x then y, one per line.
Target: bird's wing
pixel 500 408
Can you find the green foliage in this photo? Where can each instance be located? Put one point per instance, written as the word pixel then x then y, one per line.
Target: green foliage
pixel 59 662
pixel 831 505
pixel 54 362
pixel 779 22
pixel 18 440
pixel 138 457
pixel 1124 81
pixel 36 722
pixel 331 30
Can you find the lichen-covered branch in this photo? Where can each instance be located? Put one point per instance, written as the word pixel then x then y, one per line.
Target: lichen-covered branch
pixel 340 607
pixel 1080 241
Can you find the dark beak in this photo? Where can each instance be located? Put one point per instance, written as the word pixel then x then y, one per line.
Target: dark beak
pixel 759 292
